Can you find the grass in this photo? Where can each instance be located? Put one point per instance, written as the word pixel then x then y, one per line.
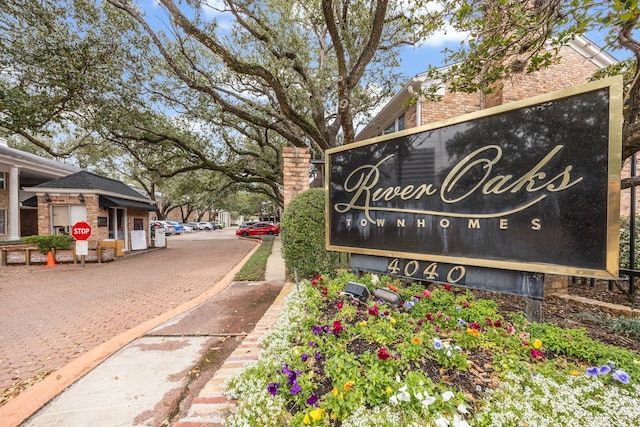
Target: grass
pixel 254 269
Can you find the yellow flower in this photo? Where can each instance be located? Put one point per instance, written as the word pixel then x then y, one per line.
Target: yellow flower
pixel 348 385
pixel 575 373
pixel 334 392
pixel 306 419
pixel 537 344
pixel 392 320
pixel 415 340
pixel 388 390
pixel 363 323
pixel 316 414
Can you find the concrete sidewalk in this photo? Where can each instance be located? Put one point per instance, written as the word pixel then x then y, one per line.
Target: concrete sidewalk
pixel 150 370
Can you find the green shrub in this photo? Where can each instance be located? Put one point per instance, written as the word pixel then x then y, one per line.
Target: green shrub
pixel 303 236
pixel 46 243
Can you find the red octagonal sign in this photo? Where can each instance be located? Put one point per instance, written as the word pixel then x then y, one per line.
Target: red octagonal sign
pixel 81 230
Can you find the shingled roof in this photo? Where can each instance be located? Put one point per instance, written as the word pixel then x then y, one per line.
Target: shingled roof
pixel 112 193
pixel 88 181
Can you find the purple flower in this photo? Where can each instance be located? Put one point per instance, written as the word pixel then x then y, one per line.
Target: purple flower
pixel 318 355
pixel 461 322
pixel 604 369
pixel 593 371
pixel 312 344
pixel 295 389
pixel 621 376
pixel 304 357
pixel 313 400
pixel 315 330
pixel 273 388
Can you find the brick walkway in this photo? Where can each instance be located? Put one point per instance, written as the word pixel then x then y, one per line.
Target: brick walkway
pixel 50 316
pixel 211 407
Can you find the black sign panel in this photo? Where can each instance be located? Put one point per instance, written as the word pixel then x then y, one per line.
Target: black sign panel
pixel 521 283
pixel 530 186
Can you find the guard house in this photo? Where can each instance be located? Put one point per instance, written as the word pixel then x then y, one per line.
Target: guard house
pixel 115 211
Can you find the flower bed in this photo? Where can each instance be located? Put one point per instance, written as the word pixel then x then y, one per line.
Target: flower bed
pixel 441 359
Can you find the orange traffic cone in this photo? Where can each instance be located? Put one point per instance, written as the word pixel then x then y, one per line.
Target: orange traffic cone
pixel 51 260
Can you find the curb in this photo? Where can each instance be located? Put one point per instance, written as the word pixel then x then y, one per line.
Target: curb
pixel 211 407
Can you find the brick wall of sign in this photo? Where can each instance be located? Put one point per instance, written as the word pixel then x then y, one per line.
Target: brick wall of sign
pixel 295 177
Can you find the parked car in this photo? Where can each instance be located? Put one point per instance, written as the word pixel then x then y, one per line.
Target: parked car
pixel 205 226
pixel 194 225
pixel 258 229
pixel 179 229
pixel 169 228
pixel 187 227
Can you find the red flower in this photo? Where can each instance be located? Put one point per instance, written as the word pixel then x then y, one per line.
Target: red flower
pixel 430 317
pixel 373 310
pixel 535 353
pixel 465 304
pixel 316 280
pixel 447 286
pixel 497 323
pixel 337 327
pixel 427 293
pixel 383 354
pixel 339 305
pixel 418 296
pixel 324 291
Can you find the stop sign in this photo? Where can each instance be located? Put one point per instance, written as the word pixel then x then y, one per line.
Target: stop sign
pixel 81 230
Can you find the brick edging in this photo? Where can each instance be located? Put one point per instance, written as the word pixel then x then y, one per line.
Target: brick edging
pixel 615 309
pixel 211 407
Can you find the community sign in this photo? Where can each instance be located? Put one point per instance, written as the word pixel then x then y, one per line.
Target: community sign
pixel 531 186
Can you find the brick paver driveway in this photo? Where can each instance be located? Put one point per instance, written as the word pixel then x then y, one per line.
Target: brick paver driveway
pixel 51 315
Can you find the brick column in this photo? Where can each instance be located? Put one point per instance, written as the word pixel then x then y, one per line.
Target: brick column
pixel 295 177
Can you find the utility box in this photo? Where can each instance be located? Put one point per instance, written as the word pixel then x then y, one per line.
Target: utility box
pixel 160 238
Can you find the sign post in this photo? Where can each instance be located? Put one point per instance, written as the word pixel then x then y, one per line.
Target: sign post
pixel 81 231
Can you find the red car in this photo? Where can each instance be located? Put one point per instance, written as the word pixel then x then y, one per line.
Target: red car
pixel 258 229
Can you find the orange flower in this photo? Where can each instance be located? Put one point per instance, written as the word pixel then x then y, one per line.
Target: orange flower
pixel 392 288
pixel 415 340
pixel 348 385
pixel 473 332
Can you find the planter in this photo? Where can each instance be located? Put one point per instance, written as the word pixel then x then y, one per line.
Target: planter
pixel 31 255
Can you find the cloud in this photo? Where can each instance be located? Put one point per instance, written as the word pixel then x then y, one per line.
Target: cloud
pixel 443 37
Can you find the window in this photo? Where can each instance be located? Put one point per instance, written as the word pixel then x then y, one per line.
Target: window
pixel 397 125
pixel 2 179
pixel 390 129
pixel 3 221
pixel 401 123
pixel 64 216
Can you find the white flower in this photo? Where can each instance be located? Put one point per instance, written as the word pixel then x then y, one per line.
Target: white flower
pixel 428 400
pixel 447 395
pixel 404 394
pixel 394 400
pixel 462 409
pixel 458 421
pixel 375 279
pixel 442 422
